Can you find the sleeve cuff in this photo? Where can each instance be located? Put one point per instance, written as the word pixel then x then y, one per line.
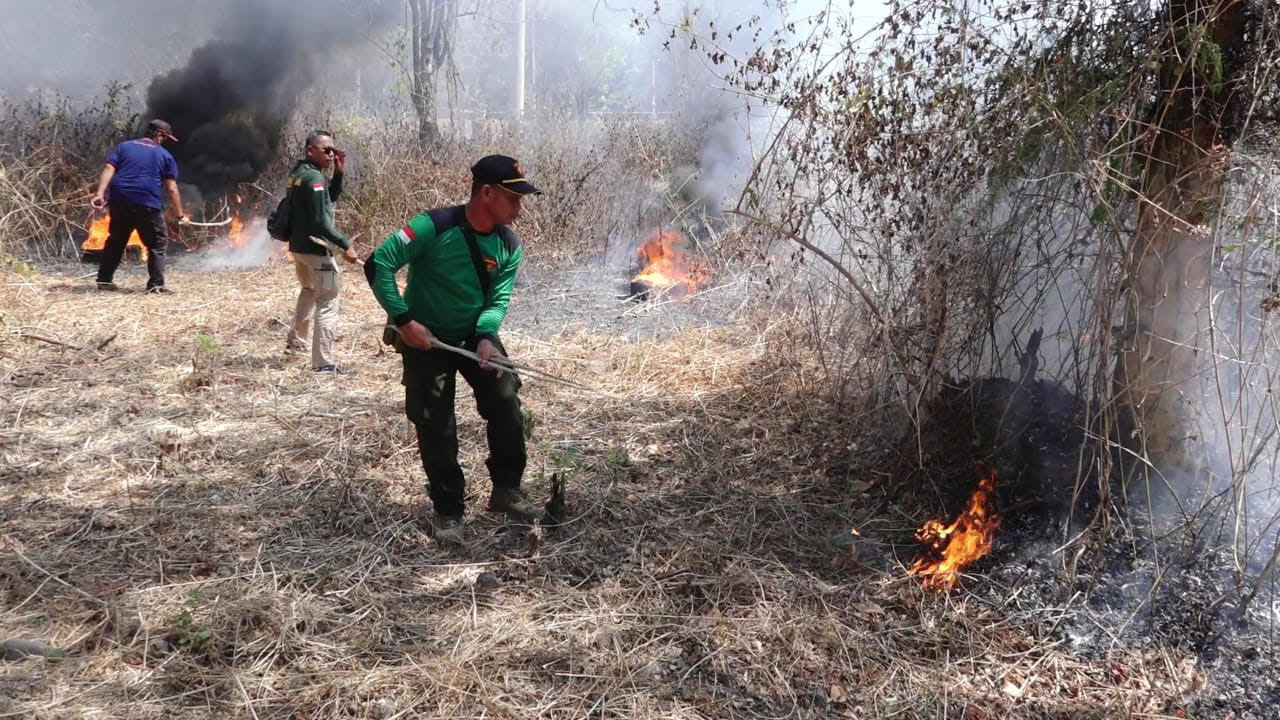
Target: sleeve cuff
pixel 491 337
pixel 402 318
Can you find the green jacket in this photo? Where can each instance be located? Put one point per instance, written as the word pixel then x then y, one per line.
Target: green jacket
pixel 311 209
pixel 444 292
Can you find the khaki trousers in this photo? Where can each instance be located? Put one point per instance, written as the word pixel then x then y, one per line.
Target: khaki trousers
pixel 315 316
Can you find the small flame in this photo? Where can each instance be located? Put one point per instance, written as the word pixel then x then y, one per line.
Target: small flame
pixel 236 236
pixel 949 549
pixel 668 265
pixel 98 231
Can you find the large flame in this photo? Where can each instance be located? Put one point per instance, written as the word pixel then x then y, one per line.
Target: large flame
pixel 99 229
pixel 97 239
pixel 949 549
pixel 666 264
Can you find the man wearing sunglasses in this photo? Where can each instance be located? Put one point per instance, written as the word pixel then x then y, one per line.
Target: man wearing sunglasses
pixel 312 195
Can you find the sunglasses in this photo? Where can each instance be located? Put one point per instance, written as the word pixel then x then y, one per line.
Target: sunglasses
pixel 326 151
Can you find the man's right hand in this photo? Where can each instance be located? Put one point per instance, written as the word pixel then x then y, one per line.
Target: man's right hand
pixel 98 201
pixel 416 335
pixel 350 255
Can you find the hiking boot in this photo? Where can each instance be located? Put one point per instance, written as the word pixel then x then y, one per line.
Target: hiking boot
pixel 107 286
pixel 515 504
pixel 447 530
pixel 159 290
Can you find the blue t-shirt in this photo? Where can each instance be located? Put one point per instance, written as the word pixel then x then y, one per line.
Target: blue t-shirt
pixel 141 166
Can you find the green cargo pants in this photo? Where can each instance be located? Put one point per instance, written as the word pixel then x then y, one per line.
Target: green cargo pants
pixel 430 383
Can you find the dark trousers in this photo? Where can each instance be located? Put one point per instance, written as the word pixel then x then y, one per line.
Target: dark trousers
pixel 149 222
pixel 430 380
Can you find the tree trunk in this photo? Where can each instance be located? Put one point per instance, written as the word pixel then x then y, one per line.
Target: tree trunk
pixel 1156 382
pixel 432 24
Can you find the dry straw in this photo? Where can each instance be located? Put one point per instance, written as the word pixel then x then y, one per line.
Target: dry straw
pixel 207 529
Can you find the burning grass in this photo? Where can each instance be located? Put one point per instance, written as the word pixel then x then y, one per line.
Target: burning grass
pixel 952 547
pixel 205 528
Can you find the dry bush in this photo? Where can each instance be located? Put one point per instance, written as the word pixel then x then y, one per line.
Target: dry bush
pixel 49 159
pixel 603 179
pixel 600 176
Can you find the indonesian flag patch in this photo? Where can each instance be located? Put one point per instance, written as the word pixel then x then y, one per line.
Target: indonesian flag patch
pixel 405 234
pixel 317 187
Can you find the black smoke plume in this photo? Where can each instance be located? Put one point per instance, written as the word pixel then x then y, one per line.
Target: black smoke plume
pixel 230 102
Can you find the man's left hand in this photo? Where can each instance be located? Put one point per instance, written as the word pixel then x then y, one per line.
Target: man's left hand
pixel 339 162
pixel 486 350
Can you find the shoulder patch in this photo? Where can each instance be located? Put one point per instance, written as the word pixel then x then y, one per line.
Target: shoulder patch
pixel 405 234
pixel 317 186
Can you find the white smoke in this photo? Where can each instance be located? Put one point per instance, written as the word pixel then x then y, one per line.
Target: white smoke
pixel 250 248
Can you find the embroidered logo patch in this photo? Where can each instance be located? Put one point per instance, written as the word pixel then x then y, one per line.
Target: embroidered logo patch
pixel 490 264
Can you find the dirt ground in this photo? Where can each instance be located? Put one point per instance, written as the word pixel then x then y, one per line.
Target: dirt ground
pixel 198 526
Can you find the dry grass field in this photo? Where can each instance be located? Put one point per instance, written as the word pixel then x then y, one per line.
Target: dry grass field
pixel 197 526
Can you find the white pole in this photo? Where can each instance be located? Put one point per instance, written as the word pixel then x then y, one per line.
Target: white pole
pixel 522 10
pixel 653 87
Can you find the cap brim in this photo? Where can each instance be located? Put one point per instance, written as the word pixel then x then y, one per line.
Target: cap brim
pixel 524 187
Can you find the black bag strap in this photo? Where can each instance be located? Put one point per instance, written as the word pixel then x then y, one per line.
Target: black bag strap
pixel 476 259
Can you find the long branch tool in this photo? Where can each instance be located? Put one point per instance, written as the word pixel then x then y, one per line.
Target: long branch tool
pixel 499 361
pixel 505 363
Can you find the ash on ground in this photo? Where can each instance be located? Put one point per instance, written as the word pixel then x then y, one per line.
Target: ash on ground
pixel 1052 568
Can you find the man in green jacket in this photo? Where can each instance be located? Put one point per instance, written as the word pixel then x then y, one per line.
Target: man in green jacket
pixel 311 216
pixel 462 265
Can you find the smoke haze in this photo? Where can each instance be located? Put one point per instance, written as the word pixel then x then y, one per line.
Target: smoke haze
pixel 233 97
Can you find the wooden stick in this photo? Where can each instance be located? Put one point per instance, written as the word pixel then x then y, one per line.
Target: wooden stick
pixel 500 362
pixel 52 341
pixel 505 364
pixel 333 247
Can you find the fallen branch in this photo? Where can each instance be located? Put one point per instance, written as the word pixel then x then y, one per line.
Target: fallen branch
pixel 52 341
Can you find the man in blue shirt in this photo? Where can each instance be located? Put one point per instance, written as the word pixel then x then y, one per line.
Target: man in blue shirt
pixel 135 172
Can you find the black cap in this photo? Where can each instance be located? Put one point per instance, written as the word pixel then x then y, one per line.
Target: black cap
pixel 162 127
pixel 503 171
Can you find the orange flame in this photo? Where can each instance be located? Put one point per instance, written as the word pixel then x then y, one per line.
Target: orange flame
pixel 949 549
pixel 668 265
pixel 97 240
pixel 236 237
